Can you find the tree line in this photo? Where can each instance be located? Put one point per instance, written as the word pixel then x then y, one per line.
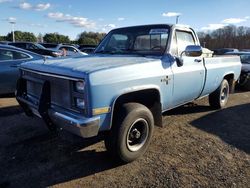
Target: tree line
pixel 226 37
pixel 86 38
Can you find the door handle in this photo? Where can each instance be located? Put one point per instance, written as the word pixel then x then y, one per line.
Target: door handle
pixel 166 79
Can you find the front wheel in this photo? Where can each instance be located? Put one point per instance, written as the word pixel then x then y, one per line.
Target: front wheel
pixel 131 132
pixel 218 99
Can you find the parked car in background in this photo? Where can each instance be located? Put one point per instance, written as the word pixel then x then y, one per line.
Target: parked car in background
pixel 4 42
pixel 65 49
pixel 89 49
pixel 244 81
pixel 221 51
pixel 37 48
pixel 245 50
pixel 10 58
pixel 48 45
pixel 54 45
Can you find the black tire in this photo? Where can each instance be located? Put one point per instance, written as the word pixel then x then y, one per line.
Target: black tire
pixel 131 132
pixel 218 99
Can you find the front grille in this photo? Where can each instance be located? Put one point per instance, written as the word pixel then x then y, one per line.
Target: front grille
pixel 60 88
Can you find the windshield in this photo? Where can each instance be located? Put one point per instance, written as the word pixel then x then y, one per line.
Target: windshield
pixel 140 40
pixel 245 59
pixel 40 46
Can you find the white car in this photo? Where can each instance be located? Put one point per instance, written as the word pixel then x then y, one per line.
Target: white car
pixel 67 50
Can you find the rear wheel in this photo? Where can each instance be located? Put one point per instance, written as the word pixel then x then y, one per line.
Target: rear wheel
pixel 131 132
pixel 218 99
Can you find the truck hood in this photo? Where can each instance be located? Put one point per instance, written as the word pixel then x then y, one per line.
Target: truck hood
pixel 86 64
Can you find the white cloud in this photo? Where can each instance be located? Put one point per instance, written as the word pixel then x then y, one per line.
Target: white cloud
pixel 42 7
pixel 171 14
pixel 108 27
pixel 5 1
pixel 213 27
pixel 73 20
pixel 38 7
pixel 120 19
pixel 111 26
pixel 11 19
pixel 235 20
pixel 38 25
pixel 25 6
pixel 225 23
pixel 56 15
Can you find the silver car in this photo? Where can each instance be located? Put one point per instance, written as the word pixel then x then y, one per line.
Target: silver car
pixel 67 50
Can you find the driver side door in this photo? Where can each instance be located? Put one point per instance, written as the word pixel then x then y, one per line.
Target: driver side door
pixel 188 78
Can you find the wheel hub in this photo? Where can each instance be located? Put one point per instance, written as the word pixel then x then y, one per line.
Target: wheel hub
pixel 137 135
pixel 224 95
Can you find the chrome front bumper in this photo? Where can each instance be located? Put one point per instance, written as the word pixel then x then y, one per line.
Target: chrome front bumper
pixel 53 116
pixel 76 124
pixel 83 127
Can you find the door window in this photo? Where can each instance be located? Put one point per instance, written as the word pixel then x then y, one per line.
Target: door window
pixel 183 40
pixel 32 46
pixel 68 48
pixel 173 48
pixel 12 55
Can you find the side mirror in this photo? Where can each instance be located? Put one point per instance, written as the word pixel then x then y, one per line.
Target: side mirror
pixel 179 61
pixel 193 51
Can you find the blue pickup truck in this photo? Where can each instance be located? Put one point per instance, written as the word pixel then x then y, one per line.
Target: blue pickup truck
pixel 135 74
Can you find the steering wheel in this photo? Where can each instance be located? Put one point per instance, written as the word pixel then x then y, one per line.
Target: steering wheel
pixel 116 49
pixel 157 47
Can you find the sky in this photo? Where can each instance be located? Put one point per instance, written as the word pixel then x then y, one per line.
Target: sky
pixel 71 17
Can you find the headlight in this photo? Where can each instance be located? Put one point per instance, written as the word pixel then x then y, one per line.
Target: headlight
pixel 79 86
pixel 79 103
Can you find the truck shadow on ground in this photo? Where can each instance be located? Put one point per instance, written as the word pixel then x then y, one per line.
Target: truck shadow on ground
pixel 43 159
pixel 229 124
pixel 9 111
pixel 189 108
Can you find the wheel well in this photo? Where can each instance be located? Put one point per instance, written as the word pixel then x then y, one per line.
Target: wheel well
pixel 230 79
pixel 149 98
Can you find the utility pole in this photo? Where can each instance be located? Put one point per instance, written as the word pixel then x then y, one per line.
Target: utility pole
pixel 204 44
pixel 177 19
pixel 12 22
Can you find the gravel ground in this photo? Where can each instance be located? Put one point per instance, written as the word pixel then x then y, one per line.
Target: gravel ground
pixel 197 147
